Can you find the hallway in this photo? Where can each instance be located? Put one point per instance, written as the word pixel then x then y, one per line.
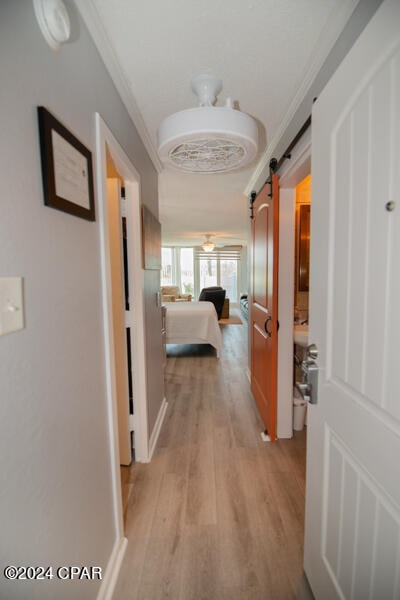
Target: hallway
pixel 217 514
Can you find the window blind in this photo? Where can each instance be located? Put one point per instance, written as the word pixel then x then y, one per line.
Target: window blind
pixel 224 253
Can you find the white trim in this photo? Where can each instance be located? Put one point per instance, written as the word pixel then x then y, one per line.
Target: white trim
pixel 157 427
pixel 292 172
pixel 100 160
pixel 326 42
pixel 104 136
pixel 110 577
pixel 98 33
pixel 287 210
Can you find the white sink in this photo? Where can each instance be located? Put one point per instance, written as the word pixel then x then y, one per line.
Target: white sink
pixel 300 334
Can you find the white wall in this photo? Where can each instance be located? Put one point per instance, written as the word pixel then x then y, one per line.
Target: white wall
pixel 55 488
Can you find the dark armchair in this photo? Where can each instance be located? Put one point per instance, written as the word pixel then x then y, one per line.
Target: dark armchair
pixel 216 295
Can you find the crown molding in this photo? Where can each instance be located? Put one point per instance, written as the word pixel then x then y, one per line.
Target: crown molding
pixel 325 44
pixel 98 33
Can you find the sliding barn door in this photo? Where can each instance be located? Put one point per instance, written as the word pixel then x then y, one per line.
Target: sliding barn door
pixel 264 303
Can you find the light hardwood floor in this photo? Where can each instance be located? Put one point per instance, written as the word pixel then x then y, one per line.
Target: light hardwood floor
pixel 218 513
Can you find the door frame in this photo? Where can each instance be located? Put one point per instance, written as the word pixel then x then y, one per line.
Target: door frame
pixel 103 138
pixel 292 172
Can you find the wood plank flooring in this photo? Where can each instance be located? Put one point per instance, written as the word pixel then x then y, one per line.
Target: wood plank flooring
pixel 218 513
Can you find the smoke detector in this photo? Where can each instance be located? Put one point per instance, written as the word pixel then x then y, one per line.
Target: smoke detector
pixel 208 139
pixel 53 19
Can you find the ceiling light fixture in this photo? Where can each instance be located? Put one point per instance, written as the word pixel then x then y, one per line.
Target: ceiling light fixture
pixel 208 139
pixel 208 246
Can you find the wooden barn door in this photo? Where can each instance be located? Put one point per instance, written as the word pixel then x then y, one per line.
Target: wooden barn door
pixel 264 303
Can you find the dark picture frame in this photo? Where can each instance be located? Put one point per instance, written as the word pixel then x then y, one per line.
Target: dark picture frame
pixel 67 171
pixel 151 240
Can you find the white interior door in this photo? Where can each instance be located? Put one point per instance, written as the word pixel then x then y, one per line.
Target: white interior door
pixel 352 542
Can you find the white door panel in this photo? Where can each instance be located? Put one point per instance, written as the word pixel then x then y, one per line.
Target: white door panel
pixel 352 544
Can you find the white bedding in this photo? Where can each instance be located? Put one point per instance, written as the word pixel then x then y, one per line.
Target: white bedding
pixel 193 323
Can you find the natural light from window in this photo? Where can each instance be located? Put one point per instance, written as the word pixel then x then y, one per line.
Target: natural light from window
pixel 191 270
pixel 229 278
pixel 187 270
pixel 167 267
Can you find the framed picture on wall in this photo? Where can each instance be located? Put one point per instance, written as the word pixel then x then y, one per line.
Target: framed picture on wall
pixel 66 168
pixel 151 240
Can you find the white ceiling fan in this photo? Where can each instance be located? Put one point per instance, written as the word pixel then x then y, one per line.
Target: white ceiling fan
pixel 208 245
pixel 208 138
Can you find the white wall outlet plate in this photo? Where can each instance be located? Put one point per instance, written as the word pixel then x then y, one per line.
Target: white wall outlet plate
pixel 11 304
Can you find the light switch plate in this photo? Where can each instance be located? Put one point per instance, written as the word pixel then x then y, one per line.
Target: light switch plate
pixel 11 304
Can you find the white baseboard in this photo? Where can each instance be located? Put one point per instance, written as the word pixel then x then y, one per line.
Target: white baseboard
pixel 248 373
pixel 157 428
pixel 109 580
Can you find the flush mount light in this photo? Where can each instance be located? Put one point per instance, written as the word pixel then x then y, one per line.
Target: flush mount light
pixel 208 246
pixel 53 20
pixel 208 139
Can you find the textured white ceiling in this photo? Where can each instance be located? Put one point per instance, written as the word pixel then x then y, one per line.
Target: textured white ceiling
pixel 261 49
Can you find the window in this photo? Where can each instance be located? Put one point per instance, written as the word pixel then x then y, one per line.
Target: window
pixel 221 267
pixel 186 270
pixel 208 272
pixel 229 278
pixel 177 268
pixel 191 270
pixel 167 267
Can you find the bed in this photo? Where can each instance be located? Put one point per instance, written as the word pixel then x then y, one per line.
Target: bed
pixel 193 323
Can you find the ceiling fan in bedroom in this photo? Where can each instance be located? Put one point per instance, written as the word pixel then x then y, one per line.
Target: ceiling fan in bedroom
pixel 208 245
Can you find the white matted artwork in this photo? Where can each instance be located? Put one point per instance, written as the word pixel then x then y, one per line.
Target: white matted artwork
pixel 70 172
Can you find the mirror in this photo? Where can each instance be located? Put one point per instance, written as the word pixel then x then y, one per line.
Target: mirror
pixel 303 247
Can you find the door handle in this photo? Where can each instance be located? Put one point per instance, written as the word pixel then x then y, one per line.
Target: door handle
pixel 267 320
pixel 269 333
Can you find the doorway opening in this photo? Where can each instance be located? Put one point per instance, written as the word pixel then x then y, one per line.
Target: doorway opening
pixel 120 301
pixel 123 307
pixel 120 307
pixel 301 301
pixel 292 173
pixel 302 249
